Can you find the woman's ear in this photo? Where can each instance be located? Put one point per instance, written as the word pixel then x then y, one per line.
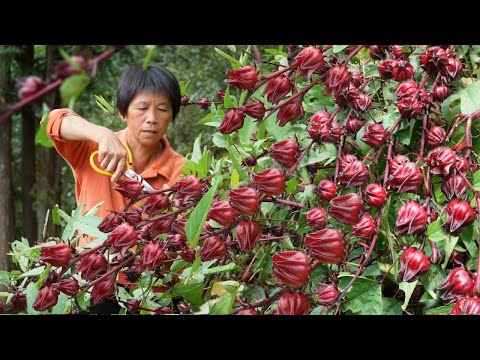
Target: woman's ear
pixel 122 117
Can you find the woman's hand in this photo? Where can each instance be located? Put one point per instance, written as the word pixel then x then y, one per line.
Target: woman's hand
pixel 112 156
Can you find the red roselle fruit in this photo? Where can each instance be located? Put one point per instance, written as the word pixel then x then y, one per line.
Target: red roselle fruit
pixel 291 111
pixel 29 86
pixel 188 187
pixel 413 264
pixel 411 219
pixel 399 53
pixel 357 78
pixel 184 100
pixel 375 135
pixel 319 118
pixel 204 103
pixel 354 124
pixel 57 255
pixel 188 254
pixel 346 208
pixel 103 289
pixel 213 248
pixel 327 294
pixel 249 311
pixel 326 245
pixel 221 212
pixel 435 136
pixel 456 285
pixel 233 120
pixel 347 160
pixel 132 306
pixel 454 186
pixel 375 195
pixel 19 302
pixel 255 109
pixel 155 204
pixel 433 59
pixel 110 222
pixel 441 92
pixel 406 178
pixel 459 214
pixel 243 78
pixel 277 88
pixel 129 188
pixel 397 161
pixel 386 67
pixel 64 69
pixel 338 78
pixel 122 238
pixel 355 174
pixel 362 103
pixel 403 70
pixel 152 257
pixel 248 233
pixel 291 267
pixel 326 190
pixel 68 286
pixel 178 227
pixel 308 61
pixel 285 152
pixel 46 298
pixel 378 52
pixel 133 216
pixel 466 306
pixel 292 303
pixel 92 265
pixel 245 200
pixel 453 69
pixel 365 228
pixel 161 226
pixel 317 218
pixel 270 181
pixel 441 159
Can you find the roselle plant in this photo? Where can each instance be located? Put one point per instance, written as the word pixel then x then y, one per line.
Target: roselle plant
pixel 347 182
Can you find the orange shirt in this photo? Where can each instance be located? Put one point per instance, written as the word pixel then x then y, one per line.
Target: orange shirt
pixel 91 187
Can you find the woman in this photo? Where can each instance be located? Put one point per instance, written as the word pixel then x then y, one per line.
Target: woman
pixel 147 100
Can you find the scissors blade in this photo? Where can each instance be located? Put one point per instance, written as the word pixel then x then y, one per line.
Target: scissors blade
pixel 133 175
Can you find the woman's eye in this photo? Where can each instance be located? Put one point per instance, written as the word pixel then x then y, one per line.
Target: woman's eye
pixel 142 108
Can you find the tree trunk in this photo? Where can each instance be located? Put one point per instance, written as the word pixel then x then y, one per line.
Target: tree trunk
pixel 7 219
pixel 29 221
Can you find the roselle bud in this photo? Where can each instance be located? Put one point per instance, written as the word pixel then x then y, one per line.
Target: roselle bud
pixel 459 214
pixel 221 212
pixel 435 136
pixel 403 71
pixel 178 227
pixel 57 255
pixel 46 298
pixel 406 89
pixel 327 294
pixel 320 133
pixel 64 69
pixel 365 228
pixel 249 311
pixel 245 200
pixel 338 78
pixel 466 306
pixel 319 118
pixel 346 160
pixel 460 165
pixel 406 178
pixel 396 162
pixel 375 135
pixel 453 69
pixel 346 208
pixel 248 233
pixel 52 278
pixel 291 111
pixel 335 132
pixel 155 204
pixel 413 264
pixel 28 86
pixel 255 109
pixel 278 230
pixel 308 61
pixel 386 68
pixel 160 226
pixel 399 53
pixel 18 302
pixel 326 190
pixel 277 88
pixel 441 92
pixel 353 125
pixel 454 186
pixel 152 257
pixel 270 181
pixel 411 219
pixel 409 108
pixel 133 217
pixel 103 289
pixel 433 59
pixel 291 267
pixel 110 222
pixel 122 238
pixel 456 285
pixel 129 188
pixel 347 96
pixel 92 265
pixel 353 175
pixel 213 248
pixel 375 195
pixel 132 306
pixel 233 120
pixel 285 152
pixel 326 245
pixel 188 187
pixel 357 78
pixel 378 52
pixel 292 303
pixel 317 218
pixel 203 103
pixel 174 242
pixel 243 78
pixel 184 100
pixel 441 159
pixel 188 254
pixel 458 258
pixel 68 286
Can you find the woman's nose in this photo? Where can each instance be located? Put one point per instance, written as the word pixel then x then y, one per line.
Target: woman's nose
pixel 151 118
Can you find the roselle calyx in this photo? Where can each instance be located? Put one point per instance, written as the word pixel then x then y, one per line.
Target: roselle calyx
pixel 327 294
pixel 292 303
pixel 353 125
pixel 386 68
pixel 317 218
pixel 397 161
pixel 68 286
pixel 346 208
pixel 255 109
pixel 441 92
pixel 354 174
pixel 375 195
pixel 233 120
pixel 28 86
pixel 270 181
pixel 326 190
pixel 222 212
pixel 64 69
pixel 453 69
pixel 213 248
pixel 291 267
pixel 285 152
pixel 458 214
pixel 57 255
pixel 129 188
pixel 122 238
pixel 245 200
pixel 248 233
pixel 326 245
pixel 466 306
pixel 411 219
pixel 365 228
pixel 110 222
pixel 308 61
pixel 456 285
pixel 277 88
pixel 441 159
pixel 413 264
pixel 375 135
pixel 453 186
pixel 92 265
pixel 338 78
pixel 151 257
pixel 248 311
pixel 103 289
pixel 155 204
pixel 46 298
pixel 243 78
pixel 289 112
pixel 435 136
pixel 406 178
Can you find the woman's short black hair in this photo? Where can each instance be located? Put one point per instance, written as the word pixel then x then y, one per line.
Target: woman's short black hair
pixel 155 78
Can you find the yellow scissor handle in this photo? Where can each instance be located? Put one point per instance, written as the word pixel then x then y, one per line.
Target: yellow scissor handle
pixel 129 162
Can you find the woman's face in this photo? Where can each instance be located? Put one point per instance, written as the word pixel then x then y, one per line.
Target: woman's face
pixel 148 116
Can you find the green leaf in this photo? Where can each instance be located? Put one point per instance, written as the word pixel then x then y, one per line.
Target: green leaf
pixel 149 56
pixel 469 238
pixel 407 288
pixel 197 151
pixel 73 86
pixel 245 133
pixel 219 140
pixel 234 179
pixel 470 98
pixel 391 307
pixel 225 293
pixel 57 219
pixel 234 158
pixel 220 269
pixel 31 291
pixel 435 231
pixel 104 104
pixel 450 243
pixel 476 180
pixel 191 291
pixel 34 272
pixel 338 48
pixel 41 137
pixel 227 99
pixel 235 63
pixel 195 222
pixel 361 285
pixel 445 309
pixel 432 279
pixel 232 48
pixel 83 299
pixel 368 303
pixel 63 305
pixel 4 277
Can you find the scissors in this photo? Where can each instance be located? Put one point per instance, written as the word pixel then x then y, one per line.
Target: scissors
pixel 129 173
